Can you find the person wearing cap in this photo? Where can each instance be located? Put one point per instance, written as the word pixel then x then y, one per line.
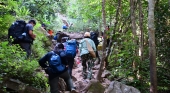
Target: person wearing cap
pixel 54 77
pixel 84 53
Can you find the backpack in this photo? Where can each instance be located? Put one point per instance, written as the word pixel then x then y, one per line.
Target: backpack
pixel 65 27
pixel 94 37
pixel 56 64
pixel 71 46
pixel 59 36
pixel 16 30
pixel 64 39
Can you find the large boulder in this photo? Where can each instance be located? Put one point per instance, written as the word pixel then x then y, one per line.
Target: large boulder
pixel 17 86
pixel 117 87
pixel 75 35
pixel 96 87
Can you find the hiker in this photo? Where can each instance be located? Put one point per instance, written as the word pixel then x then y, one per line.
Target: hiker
pixel 84 53
pixel 94 37
pixel 65 27
pixel 44 26
pixel 64 41
pixel 70 47
pixel 59 36
pixel 58 67
pixel 30 37
pixel 108 35
pixel 50 32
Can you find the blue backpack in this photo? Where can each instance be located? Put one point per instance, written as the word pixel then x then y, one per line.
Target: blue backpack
pixel 71 48
pixel 56 64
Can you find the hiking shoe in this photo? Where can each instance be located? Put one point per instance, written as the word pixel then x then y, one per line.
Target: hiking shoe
pixel 84 76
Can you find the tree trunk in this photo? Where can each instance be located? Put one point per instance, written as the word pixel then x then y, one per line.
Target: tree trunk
pixel 152 50
pixel 134 28
pixel 104 42
pixel 114 28
pixel 141 40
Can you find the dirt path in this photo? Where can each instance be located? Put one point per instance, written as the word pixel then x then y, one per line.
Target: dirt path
pixel 81 83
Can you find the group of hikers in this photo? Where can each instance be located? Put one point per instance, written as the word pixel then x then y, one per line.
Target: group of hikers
pixel 58 62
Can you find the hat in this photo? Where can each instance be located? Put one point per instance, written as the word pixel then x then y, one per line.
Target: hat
pixel 87 34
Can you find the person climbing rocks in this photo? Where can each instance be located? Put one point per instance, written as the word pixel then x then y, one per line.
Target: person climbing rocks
pixel 84 53
pixel 58 67
pixel 94 37
pixel 27 43
pixel 70 46
pixel 59 36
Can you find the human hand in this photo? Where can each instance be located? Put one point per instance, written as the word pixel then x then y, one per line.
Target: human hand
pixel 46 70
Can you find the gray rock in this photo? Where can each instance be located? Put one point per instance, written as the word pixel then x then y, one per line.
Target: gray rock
pixel 117 87
pixel 105 74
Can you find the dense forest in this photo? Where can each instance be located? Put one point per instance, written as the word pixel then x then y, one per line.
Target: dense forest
pixel 138 52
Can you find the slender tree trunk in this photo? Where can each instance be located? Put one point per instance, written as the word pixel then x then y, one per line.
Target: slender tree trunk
pixel 132 15
pixel 104 42
pixel 141 38
pixel 114 28
pixel 141 31
pixel 134 30
pixel 152 50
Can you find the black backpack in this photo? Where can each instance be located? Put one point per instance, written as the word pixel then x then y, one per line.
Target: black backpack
pixel 59 36
pixel 94 37
pixel 16 30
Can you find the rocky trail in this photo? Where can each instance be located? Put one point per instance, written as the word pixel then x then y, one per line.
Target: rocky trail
pixel 94 86
pixel 81 85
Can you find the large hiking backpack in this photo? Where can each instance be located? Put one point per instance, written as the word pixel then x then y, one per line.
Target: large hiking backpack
pixel 59 36
pixel 94 37
pixel 56 64
pixel 71 46
pixel 16 30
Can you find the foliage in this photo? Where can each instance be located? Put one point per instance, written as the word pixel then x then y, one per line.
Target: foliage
pixel 124 54
pixel 45 10
pixel 5 17
pixel 18 68
pixel 85 15
pixel 162 41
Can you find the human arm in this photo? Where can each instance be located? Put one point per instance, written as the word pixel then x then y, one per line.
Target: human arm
pixel 31 34
pixel 30 31
pixel 43 61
